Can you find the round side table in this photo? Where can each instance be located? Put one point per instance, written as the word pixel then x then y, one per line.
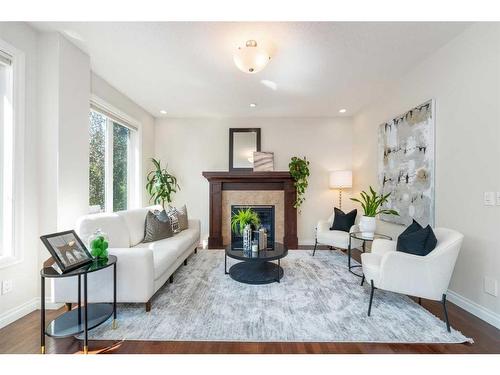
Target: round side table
pixel 83 318
pixel 359 236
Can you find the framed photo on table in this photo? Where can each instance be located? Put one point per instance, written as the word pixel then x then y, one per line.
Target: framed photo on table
pixel 67 249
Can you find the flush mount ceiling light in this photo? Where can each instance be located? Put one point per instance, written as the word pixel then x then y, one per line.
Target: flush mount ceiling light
pixel 343 110
pixel 251 58
pixel 253 105
pixel 163 112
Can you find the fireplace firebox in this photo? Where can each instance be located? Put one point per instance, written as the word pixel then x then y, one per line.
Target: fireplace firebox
pixel 266 216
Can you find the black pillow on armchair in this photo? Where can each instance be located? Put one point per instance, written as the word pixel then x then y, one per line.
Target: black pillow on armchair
pixel 417 240
pixel 343 221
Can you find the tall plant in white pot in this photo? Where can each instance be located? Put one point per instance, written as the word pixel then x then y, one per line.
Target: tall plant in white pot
pixel 371 204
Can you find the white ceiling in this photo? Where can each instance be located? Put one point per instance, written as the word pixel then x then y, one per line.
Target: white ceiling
pixel 187 69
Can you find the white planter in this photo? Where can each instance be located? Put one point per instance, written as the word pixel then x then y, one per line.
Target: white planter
pixel 367 226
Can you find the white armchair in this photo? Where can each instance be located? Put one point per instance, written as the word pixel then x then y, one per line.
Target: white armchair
pixel 334 238
pixel 420 276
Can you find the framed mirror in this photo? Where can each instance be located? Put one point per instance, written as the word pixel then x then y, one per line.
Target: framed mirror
pixel 243 142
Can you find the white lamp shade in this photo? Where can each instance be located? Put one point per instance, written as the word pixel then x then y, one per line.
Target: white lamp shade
pixel 340 179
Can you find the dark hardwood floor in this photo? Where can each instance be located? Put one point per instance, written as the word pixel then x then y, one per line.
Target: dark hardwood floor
pixel 23 336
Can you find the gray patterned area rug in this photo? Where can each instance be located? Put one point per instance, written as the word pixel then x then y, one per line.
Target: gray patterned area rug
pixel 318 300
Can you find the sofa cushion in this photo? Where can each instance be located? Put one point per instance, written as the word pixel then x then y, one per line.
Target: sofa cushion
pixel 166 251
pixel 135 220
pixel 111 224
pixel 182 216
pixel 174 220
pixel 157 226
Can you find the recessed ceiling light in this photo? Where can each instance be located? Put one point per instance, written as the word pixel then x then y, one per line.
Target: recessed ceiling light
pixel 163 112
pixel 343 110
pixel 269 84
pixel 253 105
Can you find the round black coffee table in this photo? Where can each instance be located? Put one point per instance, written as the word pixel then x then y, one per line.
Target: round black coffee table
pixel 256 267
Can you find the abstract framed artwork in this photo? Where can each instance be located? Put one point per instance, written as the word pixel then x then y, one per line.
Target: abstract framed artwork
pixel 406 152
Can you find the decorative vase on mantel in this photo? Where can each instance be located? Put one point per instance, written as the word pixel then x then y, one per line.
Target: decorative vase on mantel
pixel 367 226
pixel 247 238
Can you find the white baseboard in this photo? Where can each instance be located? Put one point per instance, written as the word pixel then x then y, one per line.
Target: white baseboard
pixel 474 308
pixel 18 312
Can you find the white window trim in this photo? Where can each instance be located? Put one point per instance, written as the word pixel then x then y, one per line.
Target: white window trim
pixel 135 147
pixel 19 104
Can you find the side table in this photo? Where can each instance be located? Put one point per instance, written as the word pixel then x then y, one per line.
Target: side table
pixel 83 318
pixel 359 236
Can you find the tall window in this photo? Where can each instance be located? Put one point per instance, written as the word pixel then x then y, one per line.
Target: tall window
pixel 6 155
pixel 111 165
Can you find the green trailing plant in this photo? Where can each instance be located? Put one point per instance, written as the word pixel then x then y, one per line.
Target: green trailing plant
pixel 242 218
pixel 299 170
pixel 161 185
pixel 372 203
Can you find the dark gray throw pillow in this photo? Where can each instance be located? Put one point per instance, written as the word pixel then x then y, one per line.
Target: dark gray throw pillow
pixel 157 226
pixel 182 216
pixel 417 240
pixel 343 221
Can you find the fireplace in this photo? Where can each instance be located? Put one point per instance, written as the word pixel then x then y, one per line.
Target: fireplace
pixel 251 189
pixel 266 216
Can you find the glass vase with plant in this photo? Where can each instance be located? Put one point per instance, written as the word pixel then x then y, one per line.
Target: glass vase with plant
pixel 299 170
pixel 161 185
pixel 372 206
pixel 98 243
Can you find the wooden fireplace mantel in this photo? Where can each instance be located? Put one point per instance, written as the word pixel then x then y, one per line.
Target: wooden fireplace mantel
pixel 279 180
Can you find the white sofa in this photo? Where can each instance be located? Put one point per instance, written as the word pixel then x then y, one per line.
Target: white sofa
pixel 142 268
pixel 420 276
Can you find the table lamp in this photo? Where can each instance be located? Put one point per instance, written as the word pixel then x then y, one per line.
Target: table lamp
pixel 340 180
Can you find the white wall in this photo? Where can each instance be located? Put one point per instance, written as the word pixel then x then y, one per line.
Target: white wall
pixel 464 79
pixel 23 274
pixel 191 146
pixel 64 92
pixel 55 163
pixel 73 150
pixel 108 93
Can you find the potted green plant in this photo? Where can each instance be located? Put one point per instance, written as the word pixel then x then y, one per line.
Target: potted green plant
pixel 161 185
pixel 242 222
pixel 299 170
pixel 371 204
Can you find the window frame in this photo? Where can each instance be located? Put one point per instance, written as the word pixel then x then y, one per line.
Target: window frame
pixel 134 169
pixel 18 63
